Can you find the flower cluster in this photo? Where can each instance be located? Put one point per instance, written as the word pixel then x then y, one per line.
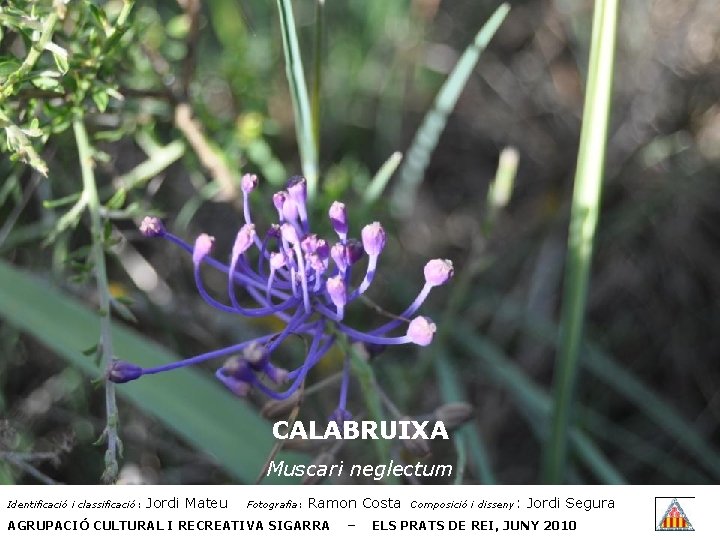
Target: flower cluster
pixel 300 278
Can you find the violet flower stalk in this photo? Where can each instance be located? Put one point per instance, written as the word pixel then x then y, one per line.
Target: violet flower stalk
pixel 300 278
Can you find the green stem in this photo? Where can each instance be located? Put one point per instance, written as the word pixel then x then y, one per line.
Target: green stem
pixel 90 194
pixel 373 402
pixel 119 27
pixel 317 74
pixel 299 95
pixel 48 28
pixel 583 221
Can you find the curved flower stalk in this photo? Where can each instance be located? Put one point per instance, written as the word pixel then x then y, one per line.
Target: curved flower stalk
pixel 301 278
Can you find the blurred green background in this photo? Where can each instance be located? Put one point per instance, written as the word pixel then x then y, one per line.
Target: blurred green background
pixel 647 406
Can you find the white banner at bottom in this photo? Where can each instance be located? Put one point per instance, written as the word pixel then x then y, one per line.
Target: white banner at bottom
pixel 469 511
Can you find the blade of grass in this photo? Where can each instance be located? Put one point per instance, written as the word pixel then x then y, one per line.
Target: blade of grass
pixel 185 400
pixel 466 436
pixel 646 452
pixel 428 134
pixel 617 377
pixel 318 48
pixel 535 403
pixel 613 374
pixel 583 221
pixel 299 94
pixel 381 178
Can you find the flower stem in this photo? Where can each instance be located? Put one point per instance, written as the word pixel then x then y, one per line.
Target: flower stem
pixel 90 194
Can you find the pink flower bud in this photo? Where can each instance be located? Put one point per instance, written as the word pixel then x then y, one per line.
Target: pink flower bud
pixel 438 271
pixel 373 238
pixel 338 218
pixel 336 290
pixel 339 255
pixel 297 189
pixel 289 210
pixel 203 245
pixel 289 233
pixel 317 263
pixel 151 227
pixel 277 260
pixel 421 331
pixel 244 239
pixel 248 182
pixel 279 199
pixel 309 243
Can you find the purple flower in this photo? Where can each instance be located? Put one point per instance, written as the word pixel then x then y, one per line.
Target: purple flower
pixel 121 372
pixel 151 227
pixel 337 292
pixel 297 190
pixel 338 218
pixel 243 241
pixel 279 200
pixel 373 239
pixel 248 182
pixel 297 277
pixel 203 246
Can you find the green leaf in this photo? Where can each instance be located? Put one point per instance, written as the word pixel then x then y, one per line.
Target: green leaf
pixel 20 146
pixel 8 66
pixel 61 62
pixel 60 56
pixel 299 95
pixel 99 16
pixel 428 134
pixel 381 178
pixel 533 401
pixel 117 200
pixel 47 83
pixel 199 409
pixel 101 98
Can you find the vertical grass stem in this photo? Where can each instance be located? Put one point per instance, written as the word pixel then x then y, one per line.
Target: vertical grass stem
pixel 299 94
pixel 583 221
